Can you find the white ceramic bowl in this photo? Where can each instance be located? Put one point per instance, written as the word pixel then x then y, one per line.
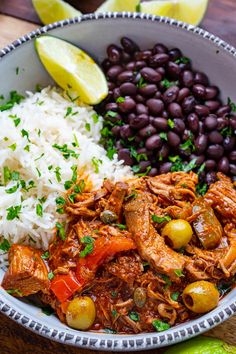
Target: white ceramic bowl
pixel 93 33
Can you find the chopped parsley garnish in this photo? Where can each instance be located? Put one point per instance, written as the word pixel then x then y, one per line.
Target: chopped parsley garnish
pixel 58 173
pixel 87 240
pixel 75 143
pixel 188 145
pixel 201 188
pixel 111 152
pixel 50 167
pixel 179 165
pixel 171 123
pixel 17 70
pixel 13 212
pixel 14 98
pixel 179 273
pixel 24 133
pixel 27 148
pixel 45 255
pixel 138 8
pixel 5 245
pixel 114 294
pixel 68 111
pixel 120 99
pixel 66 153
pixel 68 184
pixel 163 136
pixel 227 131
pixel 160 326
pixel 39 210
pixel 160 219
pixel 16 119
pixel 60 201
pixel 61 231
pixel 148 169
pixel 232 105
pixel 12 189
pixel 47 310
pixel 95 118
pixel 167 280
pixel 175 296
pixel 201 168
pixel 38 171
pixel 96 162
pixel 121 226
pixel 88 127
pixel 50 275
pixel 167 84
pixel 74 174
pixel 6 175
pixel 38 158
pixel 134 316
pixel 80 187
pixel 12 147
pixel 114 313
pixel 133 195
pixel 141 83
pixel 111 114
pixel 71 197
pixel 14 291
pixel 110 330
pixel 87 250
pixel 182 60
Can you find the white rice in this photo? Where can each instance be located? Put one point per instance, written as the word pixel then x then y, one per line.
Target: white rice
pixel 42 117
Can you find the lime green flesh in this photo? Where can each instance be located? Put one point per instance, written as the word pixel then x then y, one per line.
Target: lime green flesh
pixel 118 5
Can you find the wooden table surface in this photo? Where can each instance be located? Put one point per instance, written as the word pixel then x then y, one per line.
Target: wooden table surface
pixel 18 17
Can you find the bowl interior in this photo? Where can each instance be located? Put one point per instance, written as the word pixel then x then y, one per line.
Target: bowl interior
pixel 93 35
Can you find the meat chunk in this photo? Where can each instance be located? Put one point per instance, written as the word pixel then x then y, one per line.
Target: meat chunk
pixel 222 197
pixel 150 244
pixel 27 272
pixel 116 199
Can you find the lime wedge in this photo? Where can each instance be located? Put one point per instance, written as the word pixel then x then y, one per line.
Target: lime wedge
pixel 54 10
pixel 72 69
pixel 118 6
pixel 190 11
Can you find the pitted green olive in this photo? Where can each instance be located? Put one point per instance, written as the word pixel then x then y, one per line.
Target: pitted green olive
pixel 177 233
pixel 81 313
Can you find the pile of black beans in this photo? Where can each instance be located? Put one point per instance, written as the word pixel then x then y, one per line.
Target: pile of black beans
pixel 161 115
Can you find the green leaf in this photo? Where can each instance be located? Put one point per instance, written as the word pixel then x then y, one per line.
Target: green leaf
pixel 232 105
pixel 38 171
pixel 110 330
pixel 61 231
pixel 12 189
pixel 60 201
pixel 141 83
pixel 38 158
pixel 87 239
pixel 24 133
pixel 111 152
pixel 138 8
pixel 87 250
pixel 114 313
pixel 66 153
pixel 12 147
pixel 5 245
pixel 50 275
pixel 58 173
pixel 15 176
pixel 47 310
pixel 167 84
pixel 68 184
pixel 95 163
pixel 188 145
pixel 95 118
pixel 166 279
pixel 114 294
pixel 68 111
pixel 171 123
pixel 201 188
pixel 13 212
pixel 80 187
pixel 190 166
pixel 226 132
pixel 111 114
pixel 45 255
pixel 179 273
pixel 87 127
pixel 14 291
pixel 163 136
pixel 174 296
pixel 75 143
pixel 120 99
pixel 71 197
pixel 160 326
pixel 134 316
pixel 160 219
pixel 15 98
pixel 27 148
pixel 121 226
pixel 6 174
pixel 39 210
pixel 182 60
pixel 74 174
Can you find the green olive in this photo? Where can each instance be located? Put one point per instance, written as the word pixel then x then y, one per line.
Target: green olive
pixel 177 233
pixel 108 217
pixel 81 313
pixel 201 296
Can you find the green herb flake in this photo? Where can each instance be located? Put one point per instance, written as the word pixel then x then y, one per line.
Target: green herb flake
pixel 17 70
pixel 39 210
pixel 95 118
pixel 120 99
pixel 61 231
pixel 111 151
pixel 135 168
pixel 163 136
pixel 226 132
pixel 110 330
pixel 74 174
pixel 45 255
pixel 14 292
pixel 179 273
pixel 24 133
pixel 38 171
pixel 68 185
pixel 58 173
pixel 171 123
pixel 50 167
pixel 174 296
pixel 160 219
pixel 188 145
pixel 13 212
pixel 167 280
pixel 87 250
pixel 47 310
pixel 66 153
pixel 114 294
pixel 27 148
pixel 182 60
pixel 15 176
pixel 12 189
pixel 5 245
pixel 148 169
pixel 71 197
pixel 80 187
pixel 134 316
pixel 87 240
pixel 15 98
pixel 50 275
pixel 38 158
pixel 12 147
pixel 167 84
pixel 114 313
pixel 138 8
pixel 121 226
pixel 201 188
pixel 96 162
pixel 6 174
pixel 75 142
pixel 60 201
pixel 111 114
pixel 68 112
pixel 141 83
pixel 88 127
pixel 132 195
pixel 232 105
pixel 160 326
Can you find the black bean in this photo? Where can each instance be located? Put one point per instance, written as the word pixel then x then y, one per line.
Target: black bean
pixel 223 110
pixel 125 131
pixel 158 60
pixel 201 128
pixel 124 154
pixel 185 66
pixel 199 159
pixel 212 105
pixel 128 89
pixel 175 110
pixel 161 71
pixel 139 121
pixel 187 78
pixel 222 122
pixel 201 144
pixel 147 131
pixel 141 108
pixel 116 131
pixel 184 92
pixel 143 165
pixel 173 70
pixel 193 122
pixel 210 122
pixel 129 45
pixel 159 48
pixel 155 106
pixel 148 90
pixel 153 142
pixel 153 172
pixel 188 104
pixel 119 145
pixel 215 151
pixel 116 93
pixel 179 126
pixel 174 54
pixel 150 75
pixel 173 139
pixel 125 76
pixel 114 54
pixel 163 153
pixel 199 91
pixel 140 99
pixel 210 165
pixel 125 57
pixel 165 167
pixel 211 92
pixel 232 169
pixel 211 178
pixel 127 106
pixel 165 114
pixel 138 139
pixel 137 78
pixel 106 64
pixel 140 64
pixel 202 110
pixel 157 95
pixel 111 85
pixel 112 106
pixel 114 71
pixel 142 55
pixel 170 94
pixel 160 123
pixel 232 122
pixel 215 137
pixel 131 65
pixel 229 143
pixel 201 78
pixel 223 165
pixel 232 156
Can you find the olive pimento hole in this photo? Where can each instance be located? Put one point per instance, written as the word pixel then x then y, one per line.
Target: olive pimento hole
pixel 169 242
pixel 188 300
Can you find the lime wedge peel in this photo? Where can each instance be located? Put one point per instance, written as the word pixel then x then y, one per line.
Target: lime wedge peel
pixel 72 69
pixel 54 10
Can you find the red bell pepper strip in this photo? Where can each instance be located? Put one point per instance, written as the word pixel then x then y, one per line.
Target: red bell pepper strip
pixel 64 286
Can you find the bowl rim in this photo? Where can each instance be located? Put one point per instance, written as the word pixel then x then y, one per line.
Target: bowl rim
pixel 103 341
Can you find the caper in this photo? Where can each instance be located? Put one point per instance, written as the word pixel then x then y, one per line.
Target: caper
pixel 108 217
pixel 81 313
pixel 140 297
